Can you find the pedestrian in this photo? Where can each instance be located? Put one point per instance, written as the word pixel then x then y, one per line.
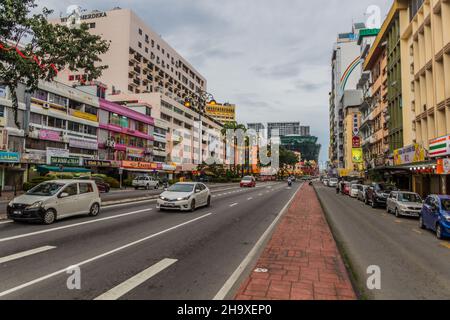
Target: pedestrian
pixel 338 187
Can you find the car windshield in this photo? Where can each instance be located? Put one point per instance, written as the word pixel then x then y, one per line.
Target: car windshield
pixel 45 189
pixel 386 188
pixel 409 197
pixel 333 180
pixel 181 188
pixel 246 178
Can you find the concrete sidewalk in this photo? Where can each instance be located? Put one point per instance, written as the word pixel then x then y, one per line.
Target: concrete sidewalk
pixel 301 261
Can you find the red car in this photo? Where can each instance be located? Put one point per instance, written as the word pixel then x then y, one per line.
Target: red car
pixel 346 188
pixel 249 182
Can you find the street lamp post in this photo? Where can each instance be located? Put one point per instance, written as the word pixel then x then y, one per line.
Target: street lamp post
pixel 198 102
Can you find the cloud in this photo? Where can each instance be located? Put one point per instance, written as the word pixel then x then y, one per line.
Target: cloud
pixel 271 58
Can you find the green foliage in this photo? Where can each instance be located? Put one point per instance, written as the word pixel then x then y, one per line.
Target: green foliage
pixel 113 183
pixel 127 182
pixel 49 47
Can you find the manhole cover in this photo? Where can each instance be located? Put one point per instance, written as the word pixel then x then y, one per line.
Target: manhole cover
pixel 261 270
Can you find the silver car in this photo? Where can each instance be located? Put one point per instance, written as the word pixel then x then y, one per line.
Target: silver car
pixel 362 193
pixel 404 204
pixel 184 196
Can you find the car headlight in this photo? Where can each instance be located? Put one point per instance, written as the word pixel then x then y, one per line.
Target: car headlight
pixel 447 217
pixel 162 198
pixel 183 199
pixel 35 205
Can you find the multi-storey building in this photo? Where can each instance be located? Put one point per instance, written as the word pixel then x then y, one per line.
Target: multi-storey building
pixel 346 72
pixel 283 128
pixel 305 131
pixel 224 113
pixel 259 128
pixel 139 59
pixel 191 137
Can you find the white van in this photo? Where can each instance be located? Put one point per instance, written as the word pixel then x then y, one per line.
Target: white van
pixel 57 199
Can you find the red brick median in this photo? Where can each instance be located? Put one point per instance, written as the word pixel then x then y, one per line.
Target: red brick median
pixel 301 258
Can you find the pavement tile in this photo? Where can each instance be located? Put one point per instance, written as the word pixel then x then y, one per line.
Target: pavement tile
pixel 302 258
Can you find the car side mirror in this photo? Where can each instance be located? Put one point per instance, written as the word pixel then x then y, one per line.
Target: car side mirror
pixel 197 191
pixel 64 195
pixel 165 189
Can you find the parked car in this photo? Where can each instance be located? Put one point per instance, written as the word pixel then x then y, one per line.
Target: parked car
pixel 377 194
pixel 346 188
pixel 362 193
pixel 354 190
pixel 54 200
pixel 325 182
pixel 435 215
pixel 248 182
pixel 145 182
pixel 101 184
pixel 333 182
pixel 184 196
pixel 404 204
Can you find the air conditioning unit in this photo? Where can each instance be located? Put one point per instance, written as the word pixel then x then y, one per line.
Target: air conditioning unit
pixel 46 106
pixel 110 143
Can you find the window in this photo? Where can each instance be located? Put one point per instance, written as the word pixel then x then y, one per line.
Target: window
pixel 2 111
pixel 139 44
pixel 41 95
pixel 35 118
pixel 146 50
pixel 56 99
pixel 92 25
pixel 146 38
pixel 153 43
pixel 90 130
pixel 86 188
pixel 90 110
pixel 140 32
pixel 74 126
pixel 72 190
pixel 158 47
pixel 56 123
pixel 71 78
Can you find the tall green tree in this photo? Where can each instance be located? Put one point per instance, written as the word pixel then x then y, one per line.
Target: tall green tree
pixel 32 49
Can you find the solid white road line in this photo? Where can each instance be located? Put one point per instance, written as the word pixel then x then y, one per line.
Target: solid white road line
pixel 234 204
pixel 229 284
pixel 48 276
pixel 72 225
pixel 25 254
pixel 125 287
pixel 5 222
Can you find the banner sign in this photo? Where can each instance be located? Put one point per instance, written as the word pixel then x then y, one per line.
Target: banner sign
pixel 357 155
pixel 141 165
pixel 410 154
pixel 55 152
pixel 356 142
pixel 50 135
pixel 443 166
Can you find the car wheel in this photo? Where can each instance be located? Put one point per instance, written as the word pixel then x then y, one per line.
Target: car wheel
pixel 421 224
pixel 95 210
pixel 193 205
pixel 135 188
pixel 49 216
pixel 157 187
pixel 208 203
pixel 439 232
pixel 397 215
pixel 373 203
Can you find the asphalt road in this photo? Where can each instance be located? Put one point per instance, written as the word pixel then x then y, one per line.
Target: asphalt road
pixel 414 264
pixel 136 252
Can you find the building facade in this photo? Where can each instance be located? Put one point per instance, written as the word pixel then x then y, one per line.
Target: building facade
pixel 283 128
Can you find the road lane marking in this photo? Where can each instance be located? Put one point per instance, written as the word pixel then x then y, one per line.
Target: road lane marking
pixel 73 225
pixel 232 280
pixel 5 222
pixel 234 204
pixel 61 271
pixel 251 198
pixel 445 244
pixel 260 194
pixel 130 284
pixel 417 231
pixel 25 254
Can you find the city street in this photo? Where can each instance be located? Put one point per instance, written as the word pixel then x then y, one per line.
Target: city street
pixel 413 263
pixel 175 255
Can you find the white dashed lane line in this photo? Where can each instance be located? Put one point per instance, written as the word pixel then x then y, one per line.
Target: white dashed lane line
pixel 234 204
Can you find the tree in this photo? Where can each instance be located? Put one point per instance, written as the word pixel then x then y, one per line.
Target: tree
pixel 287 159
pixel 233 126
pixel 32 49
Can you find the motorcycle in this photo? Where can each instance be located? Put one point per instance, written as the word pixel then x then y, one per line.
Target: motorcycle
pixel 289 183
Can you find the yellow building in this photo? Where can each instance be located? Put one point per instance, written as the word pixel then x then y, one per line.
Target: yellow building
pixel 426 71
pixel 223 113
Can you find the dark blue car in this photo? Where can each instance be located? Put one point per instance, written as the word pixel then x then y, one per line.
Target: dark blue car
pixel 435 215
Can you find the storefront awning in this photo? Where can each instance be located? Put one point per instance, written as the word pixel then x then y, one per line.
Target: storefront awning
pixel 46 169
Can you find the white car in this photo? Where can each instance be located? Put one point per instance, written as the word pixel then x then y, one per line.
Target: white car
pixel 333 182
pixel 145 182
pixel 57 199
pixel 407 204
pixel 184 196
pixel 325 182
pixel 354 190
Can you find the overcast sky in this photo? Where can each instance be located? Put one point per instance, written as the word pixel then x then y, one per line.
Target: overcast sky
pixel 271 58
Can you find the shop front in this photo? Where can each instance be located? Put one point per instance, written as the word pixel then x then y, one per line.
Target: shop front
pixel 440 152
pixel 11 171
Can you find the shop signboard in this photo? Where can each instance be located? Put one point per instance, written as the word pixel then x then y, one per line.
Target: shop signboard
pixel 440 147
pixel 55 152
pixel 140 165
pixel 443 166
pixel 9 157
pixel 356 142
pixel 135 152
pixel 101 163
pixel 83 144
pixel 65 161
pixel 411 154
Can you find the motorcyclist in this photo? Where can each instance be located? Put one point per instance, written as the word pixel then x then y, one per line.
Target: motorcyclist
pixel 289 181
